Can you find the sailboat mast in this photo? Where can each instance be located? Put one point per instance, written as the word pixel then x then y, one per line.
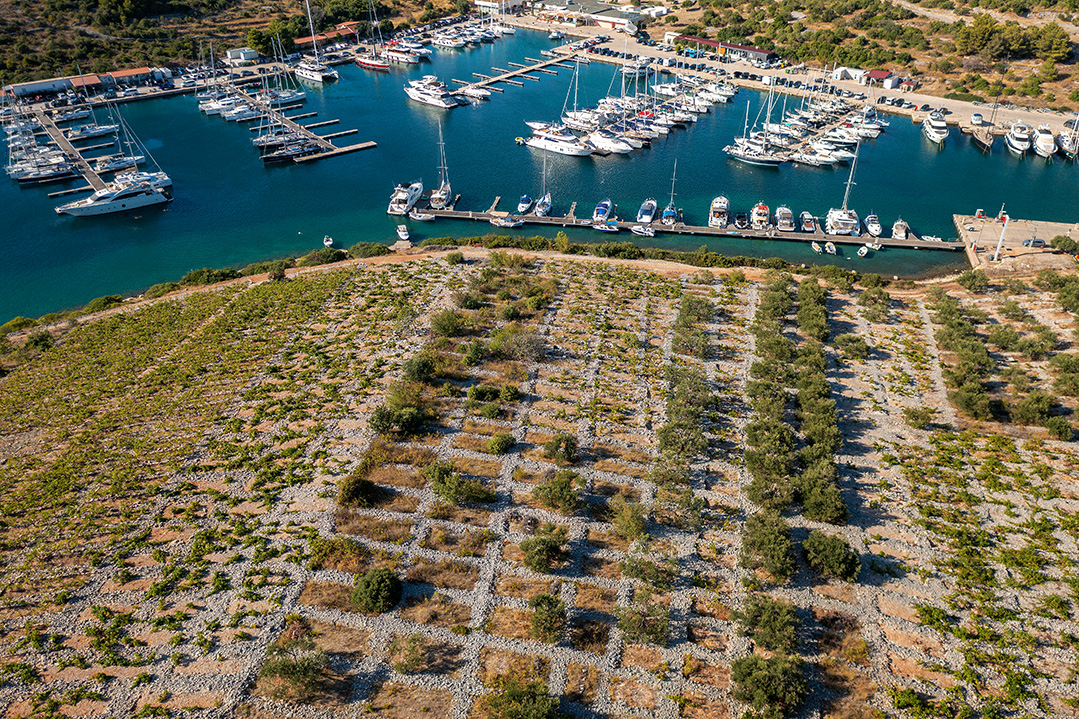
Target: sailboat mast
pixel 311 24
pixel 850 179
pixel 443 169
pixel 673 176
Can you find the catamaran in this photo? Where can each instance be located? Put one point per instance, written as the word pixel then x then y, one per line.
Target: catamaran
pixel 313 70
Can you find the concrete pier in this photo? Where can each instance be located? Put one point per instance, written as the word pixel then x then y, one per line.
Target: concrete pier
pixel 980 236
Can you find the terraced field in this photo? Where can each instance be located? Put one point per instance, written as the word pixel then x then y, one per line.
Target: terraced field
pixel 473 486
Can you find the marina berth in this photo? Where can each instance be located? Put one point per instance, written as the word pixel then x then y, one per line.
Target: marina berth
pixel 404 197
pixel 935 129
pixel 1018 140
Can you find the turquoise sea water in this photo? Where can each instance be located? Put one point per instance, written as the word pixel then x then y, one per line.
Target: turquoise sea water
pixel 231 210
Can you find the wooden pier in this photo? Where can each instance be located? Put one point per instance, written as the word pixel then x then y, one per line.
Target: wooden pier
pixel 680 228
pixel 72 153
pixel 508 76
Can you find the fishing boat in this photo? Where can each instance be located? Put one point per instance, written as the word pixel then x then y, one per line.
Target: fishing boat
pixel 1018 138
pixel 647 212
pixel 719 212
pixel 525 204
pixel 935 129
pixel 313 70
pixel 602 212
pixel 441 196
pixel 643 230
pixel 418 216
pixel 872 224
pixel 816 247
pixel 670 212
pixel 784 219
pixel 863 251
pixel 829 248
pixel 115 197
pixel 900 230
pixel 404 197
pixel 807 222
pixel 402 232
pixel 327 241
pixel 760 217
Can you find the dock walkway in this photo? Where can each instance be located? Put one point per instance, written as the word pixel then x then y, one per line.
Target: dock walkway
pixel 73 154
pixel 518 70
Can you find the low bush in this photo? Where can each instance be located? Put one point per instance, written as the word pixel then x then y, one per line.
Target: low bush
pixel 448 323
pixel 376 591
pixel 208 276
pixel 766 543
pixel 562 448
pixel 501 443
pixel 628 518
pixel 39 340
pixel 548 618
pixel 15 324
pixel 771 623
pixel 831 556
pixel 645 621
pixel 773 686
pixel 974 280
pixel 560 493
pixel 447 483
pixel 1060 428
pixel 455 258
pixel 298 666
pixel 542 551
pixel 368 249
pixel 321 256
pixel 467 300
pixel 853 347
pixel 513 699
pixel 103 303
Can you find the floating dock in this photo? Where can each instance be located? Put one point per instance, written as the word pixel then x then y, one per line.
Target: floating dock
pixel 73 154
pixel 680 228
pixel 508 76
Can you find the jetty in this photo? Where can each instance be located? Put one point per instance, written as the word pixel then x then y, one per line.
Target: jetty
pixel 1023 244
pixel 681 228
pixel 508 77
pixel 73 154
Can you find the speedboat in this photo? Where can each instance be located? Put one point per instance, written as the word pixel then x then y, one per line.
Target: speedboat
pixel 816 247
pixel 842 222
pixel 759 218
pixel 643 230
pixel 647 213
pixel 719 212
pixel 402 232
pixel 784 219
pixel 327 241
pixel 741 220
pixel 935 128
pixel 1044 142
pixel 561 145
pixel 543 205
pixel 900 230
pixel 476 93
pixel 418 216
pixel 115 197
pixel 602 213
pixel 863 251
pixel 524 205
pixel 872 224
pixel 807 222
pixel 1018 138
pixel 829 248
pixel 404 197
pixel 610 226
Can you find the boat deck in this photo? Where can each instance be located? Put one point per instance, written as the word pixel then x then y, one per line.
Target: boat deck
pixel 680 228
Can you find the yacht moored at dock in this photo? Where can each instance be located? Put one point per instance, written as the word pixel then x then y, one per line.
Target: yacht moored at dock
pixel 404 197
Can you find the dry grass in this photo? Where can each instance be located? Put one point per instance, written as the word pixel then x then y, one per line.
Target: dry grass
pixel 626 454
pixel 397 477
pixel 448 575
pixel 525 476
pixel 581 683
pixel 509 585
pixel 429 657
pixel 607 540
pixel 380 530
pixel 633 693
pixel 471 442
pixel 337 639
pixel 600 567
pixel 400 454
pixel 595 598
pixel 478 467
pixel 484 428
pixel 612 466
pixel 604 488
pixel 495 663
pixel 437 611
pixel 711 607
pixel 708 637
pixel 714 675
pixel 635 655
pixel 842 638
pixel 462 515
pixel 401 701
pixel 327 596
pixel 590 635
pixel 463 544
pixel 508 622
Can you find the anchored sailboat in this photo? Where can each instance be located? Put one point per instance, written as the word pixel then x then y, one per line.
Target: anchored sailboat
pixel 441 196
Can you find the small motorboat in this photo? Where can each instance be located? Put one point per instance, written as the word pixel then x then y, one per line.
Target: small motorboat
pixel 476 93
pixel 524 205
pixel 418 216
pixel 872 224
pixel 816 247
pixel 829 248
pixel 507 222
pixel 643 230
pixel 602 212
pixel 863 251
pixel 402 232
pixel 807 222
pixel 609 226
pixel 741 220
pixel 647 212
pixel 327 241
pixel 875 246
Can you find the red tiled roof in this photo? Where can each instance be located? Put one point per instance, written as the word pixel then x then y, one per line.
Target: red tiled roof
pixel 130 73
pixel 85 80
pixel 879 74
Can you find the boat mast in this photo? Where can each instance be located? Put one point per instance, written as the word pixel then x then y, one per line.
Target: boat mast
pixel 850 179
pixel 444 171
pixel 311 24
pixel 673 174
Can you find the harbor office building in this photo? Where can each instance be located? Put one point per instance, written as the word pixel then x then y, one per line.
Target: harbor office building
pixel 597 14
pixel 88 82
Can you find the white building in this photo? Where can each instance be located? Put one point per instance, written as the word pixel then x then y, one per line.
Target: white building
pixel 848 73
pixel 597 14
pixel 498 7
pixel 240 55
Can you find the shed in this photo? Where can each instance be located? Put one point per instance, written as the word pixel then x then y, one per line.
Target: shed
pixel 875 77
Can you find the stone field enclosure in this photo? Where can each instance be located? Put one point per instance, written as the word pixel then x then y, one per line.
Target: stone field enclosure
pixel 499 485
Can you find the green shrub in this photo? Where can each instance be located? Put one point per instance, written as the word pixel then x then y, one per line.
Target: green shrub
pixel 39 340
pixel 420 368
pixel 853 347
pixel 509 393
pixel 829 555
pixel 773 686
pixel 376 591
pixel 368 249
pixel 919 417
pixel 548 618
pixel 483 393
pixel 299 666
pixel 512 699
pixel 628 518
pixel 406 420
pixel 356 490
pixel 560 492
pixel 645 621
pixel 516 342
pixel 766 542
pixel 208 276
pixel 562 448
pixel 511 312
pixel 15 324
pixel 159 290
pixel 467 300
pixel 771 623
pixel 455 258
pixel 103 303
pixel 823 502
pixel 972 400
pixel 474 354
pixel 500 444
pixel 547 547
pixel 274 268
pixel 447 323
pixel 447 483
pixel 1035 408
pixel 321 256
pixel 974 280
pixel 1060 428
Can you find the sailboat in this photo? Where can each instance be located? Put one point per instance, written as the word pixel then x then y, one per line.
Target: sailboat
pixel 842 221
pixel 753 151
pixel 670 212
pixel 543 204
pixel 314 70
pixel 441 196
pixel 1069 141
pixel 368 59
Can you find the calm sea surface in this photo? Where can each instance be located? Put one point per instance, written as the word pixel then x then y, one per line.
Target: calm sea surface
pixel 230 210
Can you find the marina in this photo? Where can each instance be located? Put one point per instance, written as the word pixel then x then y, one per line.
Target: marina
pixel 73 155
pixel 230 210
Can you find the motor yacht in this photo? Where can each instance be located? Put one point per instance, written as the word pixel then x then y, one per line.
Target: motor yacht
pixel 602 213
pixel 158 180
pixel 327 241
pixel 1044 143
pixel 863 251
pixel 402 232
pixel 785 219
pixel 400 55
pixel 430 91
pixel 115 197
pixel 404 197
pixel 560 144
pixel 507 222
pixel 448 42
pixel 935 129
pixel 314 71
pixel 1018 138
pixel 719 212
pixel 647 212
pixel 807 222
pixel 525 204
pixel 606 141
pixel 875 246
pixel 760 217
pixel 840 221
pixel 872 224
pixel 900 230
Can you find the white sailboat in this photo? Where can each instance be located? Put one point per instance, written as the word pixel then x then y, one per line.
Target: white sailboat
pixel 543 204
pixel 314 70
pixel 670 213
pixel 842 221
pixel 441 196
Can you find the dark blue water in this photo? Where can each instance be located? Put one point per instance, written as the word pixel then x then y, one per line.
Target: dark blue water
pixel 230 210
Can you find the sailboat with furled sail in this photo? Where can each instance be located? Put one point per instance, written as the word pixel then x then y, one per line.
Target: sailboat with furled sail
pixel 441 196
pixel 313 70
pixel 543 204
pixel 843 221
